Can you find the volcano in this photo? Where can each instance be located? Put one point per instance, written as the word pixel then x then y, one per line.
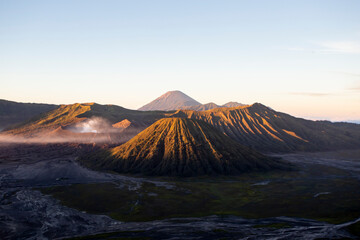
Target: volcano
pixel 267 130
pixel 182 147
pixel 171 100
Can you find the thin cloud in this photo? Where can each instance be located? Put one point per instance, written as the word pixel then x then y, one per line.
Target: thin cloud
pixel 296 49
pixel 311 94
pixel 351 47
pixel 355 88
pixel 356 75
pixel 331 47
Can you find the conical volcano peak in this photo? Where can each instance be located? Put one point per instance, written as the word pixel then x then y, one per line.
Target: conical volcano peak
pixel 174 92
pixel 171 100
pixel 182 147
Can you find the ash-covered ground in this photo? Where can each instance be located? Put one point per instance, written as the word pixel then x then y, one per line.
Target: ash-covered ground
pixel 26 213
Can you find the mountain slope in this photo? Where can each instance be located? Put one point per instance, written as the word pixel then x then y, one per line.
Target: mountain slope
pixel 209 106
pixel 233 104
pixel 182 147
pixel 254 125
pixel 267 130
pixel 86 118
pixel 202 107
pixel 16 112
pixel 171 100
pixel 175 100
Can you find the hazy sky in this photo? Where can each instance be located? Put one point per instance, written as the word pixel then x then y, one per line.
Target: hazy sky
pixel 300 57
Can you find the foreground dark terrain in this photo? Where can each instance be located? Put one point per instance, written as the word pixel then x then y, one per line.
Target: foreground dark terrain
pixel 45 193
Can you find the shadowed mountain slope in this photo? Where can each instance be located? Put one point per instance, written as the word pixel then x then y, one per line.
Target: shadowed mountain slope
pixel 171 100
pixel 15 112
pixel 267 130
pixel 182 147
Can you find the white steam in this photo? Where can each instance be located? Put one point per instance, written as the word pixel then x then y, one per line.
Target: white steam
pixel 92 125
pixel 92 130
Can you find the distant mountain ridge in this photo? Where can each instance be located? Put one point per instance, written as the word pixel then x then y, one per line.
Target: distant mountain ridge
pixel 233 104
pixel 16 112
pixel 353 121
pixel 202 107
pixel 267 130
pixel 175 100
pixel 85 119
pixel 209 106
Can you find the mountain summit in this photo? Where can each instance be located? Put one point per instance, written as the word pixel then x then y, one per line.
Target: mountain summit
pixel 172 100
pixel 182 147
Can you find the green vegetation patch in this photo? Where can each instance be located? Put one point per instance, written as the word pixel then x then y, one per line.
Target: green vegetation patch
pixel 196 197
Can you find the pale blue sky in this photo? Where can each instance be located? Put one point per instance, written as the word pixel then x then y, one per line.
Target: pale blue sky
pixel 300 57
